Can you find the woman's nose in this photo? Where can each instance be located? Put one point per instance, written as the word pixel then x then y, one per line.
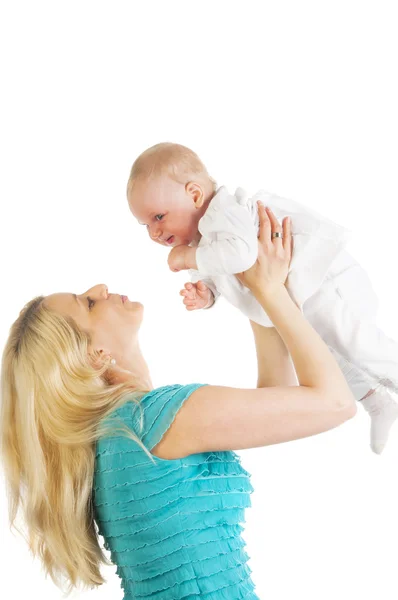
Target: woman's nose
pixel 99 291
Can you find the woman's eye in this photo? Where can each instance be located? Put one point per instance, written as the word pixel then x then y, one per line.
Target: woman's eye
pixel 159 217
pixel 90 303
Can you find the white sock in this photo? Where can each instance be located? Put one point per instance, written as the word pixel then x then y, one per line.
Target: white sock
pixel 383 410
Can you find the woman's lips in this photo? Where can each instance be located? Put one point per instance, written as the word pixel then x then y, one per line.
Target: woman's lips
pixel 124 299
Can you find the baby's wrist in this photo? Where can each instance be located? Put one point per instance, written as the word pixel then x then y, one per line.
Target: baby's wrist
pixel 211 300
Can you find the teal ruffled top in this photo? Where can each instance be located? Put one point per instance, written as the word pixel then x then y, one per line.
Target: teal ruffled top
pixel 173 528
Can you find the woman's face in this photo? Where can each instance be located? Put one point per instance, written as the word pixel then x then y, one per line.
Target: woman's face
pixel 111 320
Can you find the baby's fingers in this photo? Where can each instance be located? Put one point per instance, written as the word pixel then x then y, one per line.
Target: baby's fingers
pixel 188 290
pixel 189 302
pixel 201 286
pixel 190 296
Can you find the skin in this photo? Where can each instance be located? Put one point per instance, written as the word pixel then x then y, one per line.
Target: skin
pixel 197 295
pixel 220 418
pixel 113 322
pixel 171 212
pixel 217 418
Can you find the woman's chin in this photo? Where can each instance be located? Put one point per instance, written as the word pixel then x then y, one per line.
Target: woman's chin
pixel 137 306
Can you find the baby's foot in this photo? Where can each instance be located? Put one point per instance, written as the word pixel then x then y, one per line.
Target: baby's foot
pixel 382 407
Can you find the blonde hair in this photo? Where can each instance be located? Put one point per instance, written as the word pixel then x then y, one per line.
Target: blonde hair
pixel 177 161
pixel 54 397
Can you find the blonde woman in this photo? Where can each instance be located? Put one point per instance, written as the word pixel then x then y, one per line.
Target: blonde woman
pixel 90 447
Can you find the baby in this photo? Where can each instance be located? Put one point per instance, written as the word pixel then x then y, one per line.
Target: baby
pixel 213 234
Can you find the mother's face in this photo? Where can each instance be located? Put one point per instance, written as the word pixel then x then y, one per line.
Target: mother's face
pixel 111 320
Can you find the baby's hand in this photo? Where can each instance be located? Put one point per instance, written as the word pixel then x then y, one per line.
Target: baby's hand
pixel 197 295
pixel 177 258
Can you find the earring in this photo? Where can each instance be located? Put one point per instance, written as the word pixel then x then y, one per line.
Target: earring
pixel 113 361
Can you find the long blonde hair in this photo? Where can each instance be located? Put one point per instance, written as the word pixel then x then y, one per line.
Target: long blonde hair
pixel 53 399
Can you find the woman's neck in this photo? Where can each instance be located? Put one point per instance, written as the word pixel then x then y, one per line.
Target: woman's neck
pixel 136 364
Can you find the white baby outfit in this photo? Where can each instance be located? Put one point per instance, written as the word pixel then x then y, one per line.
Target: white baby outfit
pixel 330 287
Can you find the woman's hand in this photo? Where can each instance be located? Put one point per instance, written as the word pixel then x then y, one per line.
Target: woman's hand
pixel 274 254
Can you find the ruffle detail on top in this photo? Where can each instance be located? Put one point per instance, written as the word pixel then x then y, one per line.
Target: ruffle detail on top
pixel 173 528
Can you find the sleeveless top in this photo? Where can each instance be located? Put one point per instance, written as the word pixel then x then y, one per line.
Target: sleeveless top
pixel 173 526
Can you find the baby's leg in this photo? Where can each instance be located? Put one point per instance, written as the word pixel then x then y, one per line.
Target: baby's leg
pixel 343 312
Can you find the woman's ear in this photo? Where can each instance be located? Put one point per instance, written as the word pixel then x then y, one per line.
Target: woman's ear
pixel 113 374
pixel 99 357
pixel 196 193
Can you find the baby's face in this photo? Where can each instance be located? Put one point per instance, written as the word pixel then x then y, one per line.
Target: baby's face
pixel 167 210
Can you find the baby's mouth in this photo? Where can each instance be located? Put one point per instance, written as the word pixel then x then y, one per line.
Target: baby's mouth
pixel 170 240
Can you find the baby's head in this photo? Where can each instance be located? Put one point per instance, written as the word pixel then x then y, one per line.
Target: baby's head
pixel 168 191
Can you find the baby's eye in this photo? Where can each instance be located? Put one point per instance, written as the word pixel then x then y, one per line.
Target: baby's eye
pixel 159 217
pixel 90 303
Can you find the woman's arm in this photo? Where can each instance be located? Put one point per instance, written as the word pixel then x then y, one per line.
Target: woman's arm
pixel 274 364
pixel 218 418
pixel 221 418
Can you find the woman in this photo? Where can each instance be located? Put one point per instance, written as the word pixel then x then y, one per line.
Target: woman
pixel 86 440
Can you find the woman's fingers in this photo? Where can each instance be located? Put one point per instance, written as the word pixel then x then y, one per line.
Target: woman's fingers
pixel 269 224
pixel 275 228
pixel 287 238
pixel 285 230
pixel 264 234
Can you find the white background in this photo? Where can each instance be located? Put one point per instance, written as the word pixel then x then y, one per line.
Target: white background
pixel 299 98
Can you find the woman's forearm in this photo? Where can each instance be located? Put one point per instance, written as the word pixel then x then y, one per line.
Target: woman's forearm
pixel 275 366
pixel 314 364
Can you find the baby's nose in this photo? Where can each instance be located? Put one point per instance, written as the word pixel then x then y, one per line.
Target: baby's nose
pixel 155 232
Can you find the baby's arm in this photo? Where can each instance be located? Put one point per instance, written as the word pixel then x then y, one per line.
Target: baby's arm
pixel 232 240
pixel 230 237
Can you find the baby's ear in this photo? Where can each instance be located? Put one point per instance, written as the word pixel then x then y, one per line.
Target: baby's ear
pixel 196 193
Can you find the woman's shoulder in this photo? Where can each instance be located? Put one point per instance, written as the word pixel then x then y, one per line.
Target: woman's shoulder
pixel 159 407
pixel 156 400
pixel 148 416
pixel 155 397
pixel 167 394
